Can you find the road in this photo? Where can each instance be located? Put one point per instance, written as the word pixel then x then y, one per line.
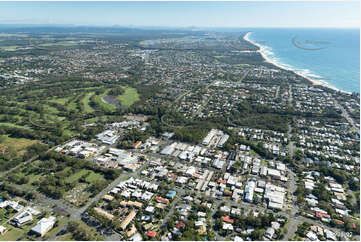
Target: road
pixel 347 117
pixel 5 173
pixel 291 145
pixel 204 101
pixel 277 92
pixel 292 228
pixel 216 205
pixel 171 211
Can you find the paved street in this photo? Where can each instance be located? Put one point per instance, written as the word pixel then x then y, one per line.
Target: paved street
pixel 348 118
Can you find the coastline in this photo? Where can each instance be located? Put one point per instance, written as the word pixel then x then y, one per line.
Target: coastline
pixel 312 81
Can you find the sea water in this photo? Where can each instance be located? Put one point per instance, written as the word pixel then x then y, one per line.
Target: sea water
pixel 329 55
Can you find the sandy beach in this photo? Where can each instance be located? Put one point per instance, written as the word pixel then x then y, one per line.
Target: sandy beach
pixel 261 51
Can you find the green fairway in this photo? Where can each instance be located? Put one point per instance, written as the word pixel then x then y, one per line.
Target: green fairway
pixel 129 96
pixel 60 100
pixel 51 109
pixel 85 101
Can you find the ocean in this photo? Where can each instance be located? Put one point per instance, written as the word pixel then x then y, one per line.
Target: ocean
pixel 331 56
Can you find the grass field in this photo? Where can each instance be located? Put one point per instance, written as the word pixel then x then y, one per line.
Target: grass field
pixel 54 230
pixel 12 235
pixel 69 236
pixel 15 233
pixel 129 96
pixel 90 178
pixel 76 176
pixel 65 237
pixel 60 100
pixel 85 101
pixel 17 144
pixel 94 177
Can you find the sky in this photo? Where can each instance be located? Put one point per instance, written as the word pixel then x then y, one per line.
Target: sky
pixel 185 14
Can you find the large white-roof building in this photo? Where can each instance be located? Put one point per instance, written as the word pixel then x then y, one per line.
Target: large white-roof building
pixel 44 225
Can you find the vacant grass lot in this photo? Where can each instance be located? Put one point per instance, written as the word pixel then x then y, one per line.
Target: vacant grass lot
pixel 90 178
pixel 39 172
pixel 16 144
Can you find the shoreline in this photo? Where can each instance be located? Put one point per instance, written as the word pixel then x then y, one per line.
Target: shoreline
pixel 312 81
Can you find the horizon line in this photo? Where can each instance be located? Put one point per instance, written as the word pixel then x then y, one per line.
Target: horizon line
pixel 164 26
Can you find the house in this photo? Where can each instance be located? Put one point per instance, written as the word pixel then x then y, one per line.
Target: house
pixel 227 226
pixel 107 137
pixel 128 219
pixel 150 209
pixel 151 233
pixel 238 239
pixel 275 196
pixel 339 222
pixel 162 200
pixel 180 225
pixel 160 206
pixel 225 209
pixel 131 204
pixel 136 237
pixel 171 194
pixel 108 198
pixel 275 225
pixel 137 144
pixel 311 236
pixel 43 226
pixel 148 226
pixel 227 219
pixel 104 213
pixel 190 171
pixel 249 190
pixel 22 218
pixel 269 233
pixel 202 229
pixel 3 230
pixel 321 215
pixel 132 231
pixel 198 223
pixel 330 235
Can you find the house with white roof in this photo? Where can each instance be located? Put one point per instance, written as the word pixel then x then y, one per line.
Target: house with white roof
pixel 43 226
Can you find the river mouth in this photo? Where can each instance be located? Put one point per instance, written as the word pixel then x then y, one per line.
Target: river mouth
pixel 112 100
